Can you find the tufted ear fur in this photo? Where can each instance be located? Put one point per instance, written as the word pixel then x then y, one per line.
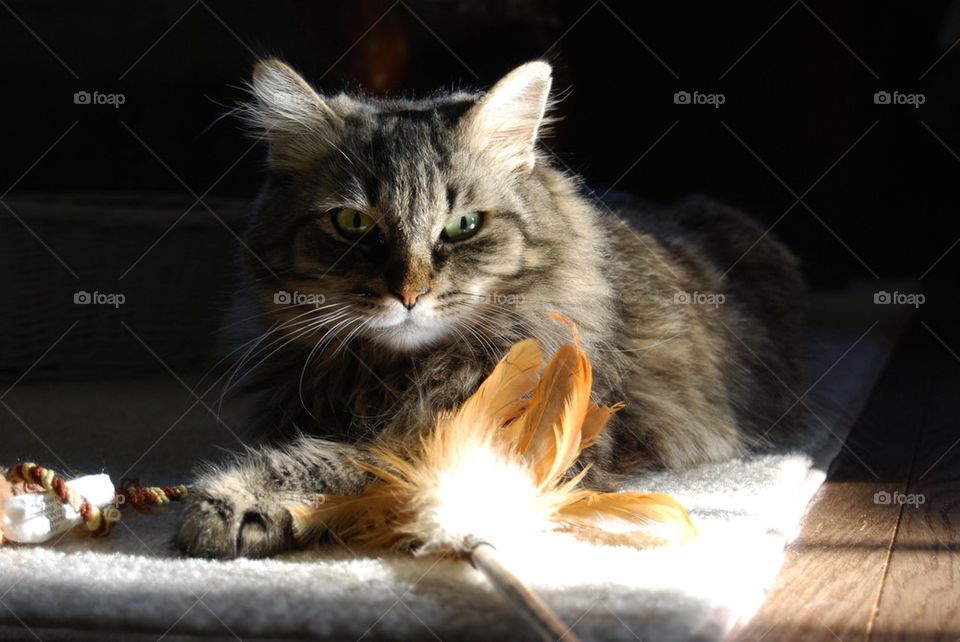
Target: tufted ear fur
pixel 506 120
pixel 300 125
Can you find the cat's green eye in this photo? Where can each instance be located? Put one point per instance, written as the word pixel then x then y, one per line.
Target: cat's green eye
pixel 352 223
pixel 462 227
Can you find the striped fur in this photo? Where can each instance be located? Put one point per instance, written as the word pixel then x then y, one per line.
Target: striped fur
pixel 703 381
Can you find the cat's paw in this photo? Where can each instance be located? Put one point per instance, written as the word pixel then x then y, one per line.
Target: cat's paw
pixel 228 516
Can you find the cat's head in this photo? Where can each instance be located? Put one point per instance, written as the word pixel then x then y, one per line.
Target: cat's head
pixel 404 222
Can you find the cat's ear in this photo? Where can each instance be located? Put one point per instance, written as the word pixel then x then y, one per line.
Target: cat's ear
pixel 506 120
pixel 295 119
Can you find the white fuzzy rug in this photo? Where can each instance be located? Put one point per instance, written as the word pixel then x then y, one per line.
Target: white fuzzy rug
pixel 132 585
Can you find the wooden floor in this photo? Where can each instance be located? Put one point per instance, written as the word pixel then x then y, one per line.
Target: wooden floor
pixel 864 570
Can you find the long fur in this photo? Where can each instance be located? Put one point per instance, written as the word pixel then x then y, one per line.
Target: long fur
pixel 702 382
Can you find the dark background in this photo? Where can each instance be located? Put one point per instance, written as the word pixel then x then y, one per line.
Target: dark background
pixel 798 80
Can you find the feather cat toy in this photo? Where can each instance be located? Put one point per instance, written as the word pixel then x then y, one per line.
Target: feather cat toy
pixel 500 471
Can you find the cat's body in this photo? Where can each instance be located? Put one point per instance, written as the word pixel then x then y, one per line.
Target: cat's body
pixel 413 319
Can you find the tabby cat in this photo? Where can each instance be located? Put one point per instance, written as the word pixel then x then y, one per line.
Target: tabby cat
pixel 400 246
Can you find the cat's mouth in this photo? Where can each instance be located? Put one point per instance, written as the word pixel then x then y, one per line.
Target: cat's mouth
pixel 410 335
pixel 405 330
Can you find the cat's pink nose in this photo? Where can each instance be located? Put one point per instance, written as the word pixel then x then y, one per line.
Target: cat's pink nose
pixel 409 294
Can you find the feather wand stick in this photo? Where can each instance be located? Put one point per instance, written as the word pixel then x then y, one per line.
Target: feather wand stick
pixel 550 628
pixel 500 471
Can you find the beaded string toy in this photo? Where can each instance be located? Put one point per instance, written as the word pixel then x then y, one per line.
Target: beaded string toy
pixel 28 477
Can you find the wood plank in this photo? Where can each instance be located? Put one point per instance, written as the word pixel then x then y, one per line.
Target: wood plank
pixel 920 598
pixel 833 572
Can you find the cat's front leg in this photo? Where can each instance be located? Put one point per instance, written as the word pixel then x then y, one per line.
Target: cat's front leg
pixel 239 509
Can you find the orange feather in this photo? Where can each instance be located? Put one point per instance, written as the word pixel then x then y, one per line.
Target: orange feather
pixel 518 435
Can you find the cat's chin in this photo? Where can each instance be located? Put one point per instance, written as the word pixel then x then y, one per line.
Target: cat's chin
pixel 409 336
